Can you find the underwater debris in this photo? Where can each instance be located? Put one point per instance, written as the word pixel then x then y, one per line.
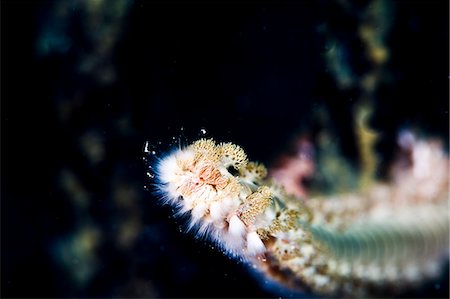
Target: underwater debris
pixel 380 240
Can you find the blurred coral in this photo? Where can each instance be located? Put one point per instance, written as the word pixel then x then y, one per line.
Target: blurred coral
pixel 292 170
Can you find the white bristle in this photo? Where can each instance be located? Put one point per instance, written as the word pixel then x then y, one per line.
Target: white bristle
pixel 199 211
pixel 237 227
pixel 254 244
pixel 188 203
pixel 321 280
pixel 168 169
pixel 307 250
pixel 185 155
pixel 216 211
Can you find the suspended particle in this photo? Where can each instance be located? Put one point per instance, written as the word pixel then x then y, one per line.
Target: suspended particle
pixel 146 149
pixel 149 148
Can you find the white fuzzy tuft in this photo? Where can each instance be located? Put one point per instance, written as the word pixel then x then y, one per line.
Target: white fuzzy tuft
pixel 254 244
pixel 199 211
pixel 237 227
pixel 188 203
pixel 168 169
pixel 216 211
pixel 169 175
pixel 172 174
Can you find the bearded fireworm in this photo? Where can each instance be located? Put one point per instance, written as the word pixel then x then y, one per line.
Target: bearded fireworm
pixel 387 237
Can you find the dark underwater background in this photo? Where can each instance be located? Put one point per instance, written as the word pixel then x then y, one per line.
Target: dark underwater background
pixel 85 84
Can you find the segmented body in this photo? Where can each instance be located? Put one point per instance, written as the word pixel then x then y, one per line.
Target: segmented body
pixel 367 249
pixel 352 245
